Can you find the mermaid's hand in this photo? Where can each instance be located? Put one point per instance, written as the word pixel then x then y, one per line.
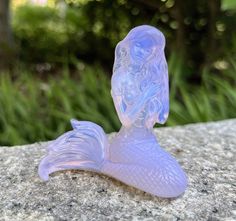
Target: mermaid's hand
pixel 141 102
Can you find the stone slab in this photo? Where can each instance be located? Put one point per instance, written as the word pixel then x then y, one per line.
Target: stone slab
pixel 206 151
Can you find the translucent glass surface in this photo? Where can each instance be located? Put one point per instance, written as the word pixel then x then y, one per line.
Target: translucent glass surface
pixel 140 93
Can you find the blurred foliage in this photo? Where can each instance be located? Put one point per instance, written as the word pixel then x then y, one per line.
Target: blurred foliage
pixel 32 109
pixel 43 36
pixel 201 31
pixel 229 5
pixel 213 99
pixel 65 56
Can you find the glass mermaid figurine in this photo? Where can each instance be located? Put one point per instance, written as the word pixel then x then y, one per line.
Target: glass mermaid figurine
pixel 140 93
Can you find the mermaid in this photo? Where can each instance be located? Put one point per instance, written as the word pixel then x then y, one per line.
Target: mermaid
pixel 140 93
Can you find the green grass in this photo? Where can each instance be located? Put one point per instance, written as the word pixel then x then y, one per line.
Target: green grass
pixel 214 99
pixel 33 109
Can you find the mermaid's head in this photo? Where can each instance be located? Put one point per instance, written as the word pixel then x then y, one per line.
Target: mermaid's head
pixel 140 62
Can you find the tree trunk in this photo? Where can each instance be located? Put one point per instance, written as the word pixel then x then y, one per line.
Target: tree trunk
pixel 214 13
pixel 179 13
pixel 6 46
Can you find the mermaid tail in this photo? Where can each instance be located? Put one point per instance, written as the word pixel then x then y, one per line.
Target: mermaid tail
pixel 143 165
pixel 162 177
pixel 82 148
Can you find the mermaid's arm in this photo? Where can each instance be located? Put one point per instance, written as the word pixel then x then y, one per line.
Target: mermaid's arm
pixel 140 103
pixel 121 109
pixel 128 114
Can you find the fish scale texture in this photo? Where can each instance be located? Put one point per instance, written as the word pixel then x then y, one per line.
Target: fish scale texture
pixel 155 182
pixel 146 166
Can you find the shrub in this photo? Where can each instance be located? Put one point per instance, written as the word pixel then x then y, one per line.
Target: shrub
pixel 32 109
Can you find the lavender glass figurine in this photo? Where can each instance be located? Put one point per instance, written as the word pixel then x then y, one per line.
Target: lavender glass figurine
pixel 141 97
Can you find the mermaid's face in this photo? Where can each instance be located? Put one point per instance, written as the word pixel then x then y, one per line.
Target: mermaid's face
pixel 142 48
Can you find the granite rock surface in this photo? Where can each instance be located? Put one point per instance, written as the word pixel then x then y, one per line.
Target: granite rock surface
pixel 206 151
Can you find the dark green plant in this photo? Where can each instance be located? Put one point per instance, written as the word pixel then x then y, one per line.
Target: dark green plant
pixel 214 99
pixel 200 31
pixel 32 109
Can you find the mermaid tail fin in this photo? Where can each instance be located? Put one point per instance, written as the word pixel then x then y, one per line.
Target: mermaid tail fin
pixel 82 148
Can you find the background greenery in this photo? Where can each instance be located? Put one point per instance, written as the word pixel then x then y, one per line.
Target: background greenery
pixel 62 55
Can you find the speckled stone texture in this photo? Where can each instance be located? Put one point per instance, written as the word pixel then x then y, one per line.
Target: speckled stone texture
pixel 205 151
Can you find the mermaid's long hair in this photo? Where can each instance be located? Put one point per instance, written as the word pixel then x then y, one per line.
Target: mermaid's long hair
pixel 153 68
